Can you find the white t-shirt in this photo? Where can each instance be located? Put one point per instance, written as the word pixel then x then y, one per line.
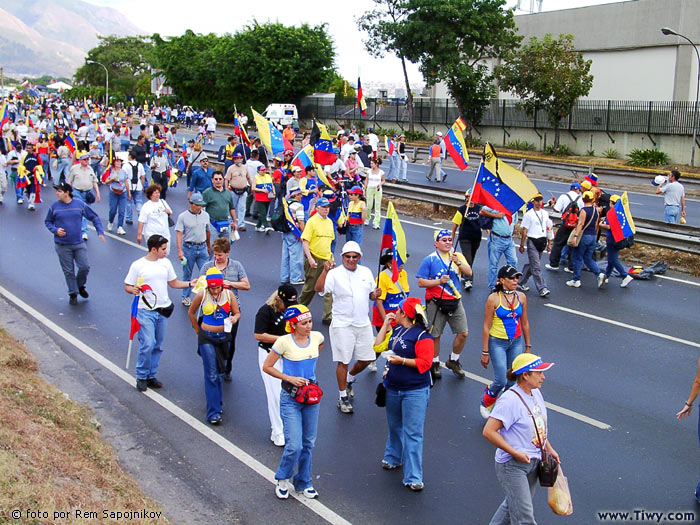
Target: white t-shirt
pixel 536 223
pixel 350 295
pixel 373 141
pixel 211 124
pixel 566 198
pixel 673 192
pixel 140 173
pixel 156 274
pixel 154 218
pixel 252 166
pixel 347 148
pixel 374 179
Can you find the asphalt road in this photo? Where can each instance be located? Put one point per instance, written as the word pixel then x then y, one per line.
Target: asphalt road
pixel 605 375
pixel 643 205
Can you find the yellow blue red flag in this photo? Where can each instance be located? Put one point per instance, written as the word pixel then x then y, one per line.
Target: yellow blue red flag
pixel 393 238
pixel 620 219
pixel 454 142
pixel 270 136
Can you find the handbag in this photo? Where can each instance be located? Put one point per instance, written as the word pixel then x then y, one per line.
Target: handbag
pixel 89 197
pixel 380 400
pixel 540 243
pixel 308 394
pixel 548 469
pixel 446 306
pixel 574 239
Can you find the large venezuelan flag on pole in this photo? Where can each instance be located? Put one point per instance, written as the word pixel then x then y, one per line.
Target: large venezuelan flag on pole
pixel 394 238
pixel 620 219
pixel 501 187
pixel 304 158
pixel 361 102
pixel 388 145
pixel 270 136
pixel 454 142
pixel 4 115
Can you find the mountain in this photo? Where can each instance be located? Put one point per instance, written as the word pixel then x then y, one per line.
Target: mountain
pixel 52 36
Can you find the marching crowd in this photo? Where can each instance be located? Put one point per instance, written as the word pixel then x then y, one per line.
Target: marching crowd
pixel 312 210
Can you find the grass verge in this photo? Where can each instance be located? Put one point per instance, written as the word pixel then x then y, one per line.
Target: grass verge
pixel 53 459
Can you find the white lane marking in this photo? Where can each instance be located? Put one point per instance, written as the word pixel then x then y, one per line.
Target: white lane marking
pixel 624 325
pixel 242 456
pixel 677 280
pixel 572 414
pixel 120 239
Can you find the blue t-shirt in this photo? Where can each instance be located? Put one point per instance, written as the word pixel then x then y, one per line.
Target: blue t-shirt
pixel 502 226
pixel 201 179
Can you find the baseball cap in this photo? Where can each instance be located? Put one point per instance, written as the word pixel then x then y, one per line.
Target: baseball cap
pixel 84 156
pixel 289 152
pixel 238 155
pixel 196 198
pixel 575 186
pixel 351 246
pixel 295 168
pixel 508 272
pixel 322 202
pixel 64 186
pixel 529 362
pixel 295 314
pixel 442 233
pixel 262 167
pixel 288 294
pixel 291 192
pixel 538 197
pixel 439 133
pixel 355 189
pixel 586 185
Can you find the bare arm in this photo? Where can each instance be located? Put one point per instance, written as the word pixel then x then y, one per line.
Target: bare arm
pixel 192 311
pixel 491 304
pixel 524 322
pixel 694 390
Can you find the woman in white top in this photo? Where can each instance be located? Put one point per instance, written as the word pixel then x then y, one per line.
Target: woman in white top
pixel 153 217
pixel 374 180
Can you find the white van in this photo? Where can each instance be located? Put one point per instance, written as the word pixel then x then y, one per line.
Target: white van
pixel 282 114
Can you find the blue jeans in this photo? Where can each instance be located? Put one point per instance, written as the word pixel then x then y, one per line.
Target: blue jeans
pixel 614 262
pixel 147 171
pixel 583 253
pixel 519 481
pixel 117 203
pixel 213 378
pixel 195 255
pixel 151 337
pixel 137 201
pixel 393 173
pixel 354 233
pixel 300 425
pixel 502 353
pixel 80 195
pixel 125 143
pixel 292 266
pixel 498 246
pixel 70 256
pixel 239 206
pixel 63 168
pixel 46 162
pixel 405 415
pixel 672 214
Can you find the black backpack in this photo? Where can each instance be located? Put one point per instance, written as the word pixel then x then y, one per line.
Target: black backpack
pixel 221 156
pixel 134 174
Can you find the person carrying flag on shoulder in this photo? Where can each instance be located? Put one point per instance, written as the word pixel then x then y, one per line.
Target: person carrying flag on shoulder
pixel 439 274
pixel 292 264
pixel 500 241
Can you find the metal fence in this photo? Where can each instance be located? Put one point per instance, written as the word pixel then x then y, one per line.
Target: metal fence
pixel 651 117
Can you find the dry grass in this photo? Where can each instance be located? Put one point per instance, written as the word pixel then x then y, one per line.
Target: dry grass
pixel 638 254
pixel 52 456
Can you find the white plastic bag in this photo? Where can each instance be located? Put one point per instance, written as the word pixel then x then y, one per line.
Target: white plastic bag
pixel 559 497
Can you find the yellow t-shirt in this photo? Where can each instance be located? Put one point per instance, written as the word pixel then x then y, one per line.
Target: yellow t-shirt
pixel 319 233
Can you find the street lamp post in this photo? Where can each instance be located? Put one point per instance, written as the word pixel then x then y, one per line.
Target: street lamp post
pixel 666 31
pixel 106 80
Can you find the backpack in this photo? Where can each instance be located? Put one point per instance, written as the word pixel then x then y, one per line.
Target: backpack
pixel 569 217
pixel 279 220
pixel 221 156
pixel 134 174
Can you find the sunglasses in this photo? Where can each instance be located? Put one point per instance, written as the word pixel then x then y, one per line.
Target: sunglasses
pixel 346 256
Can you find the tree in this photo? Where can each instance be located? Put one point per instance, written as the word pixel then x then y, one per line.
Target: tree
pixel 452 39
pixel 549 75
pixel 340 87
pixel 385 29
pixel 128 60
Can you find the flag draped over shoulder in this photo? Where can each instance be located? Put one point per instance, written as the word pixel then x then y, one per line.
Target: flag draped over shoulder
pixel 620 219
pixel 454 142
pixel 501 187
pixel 290 221
pixel 70 142
pixel 388 145
pixel 320 139
pixel 304 158
pixel 270 136
pixel 393 238
pixel 361 102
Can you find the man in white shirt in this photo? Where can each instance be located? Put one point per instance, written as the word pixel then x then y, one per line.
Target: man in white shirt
pixel 137 178
pixel 373 141
pixel 348 147
pixel 352 286
pixel 674 198
pixel 211 128
pixel 567 202
pixel 534 237
pixel 155 273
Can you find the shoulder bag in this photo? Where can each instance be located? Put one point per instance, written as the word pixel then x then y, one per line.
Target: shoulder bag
pixel 548 469
pixel 574 239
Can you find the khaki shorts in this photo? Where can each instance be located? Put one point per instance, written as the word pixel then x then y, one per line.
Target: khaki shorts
pixel 457 319
pixel 349 341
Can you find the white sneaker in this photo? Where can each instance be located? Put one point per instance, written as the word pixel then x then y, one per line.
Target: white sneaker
pixel 545 292
pixel 31 206
pixel 567 270
pixel 367 223
pixel 372 367
pixel 110 225
pixel 573 284
pixel 626 281
pixel 85 237
pixel 550 267
pixel 484 411
pixel 282 489
pixel 310 493
pixel 601 280
pixel 121 231
pixel 20 201
pixel 278 440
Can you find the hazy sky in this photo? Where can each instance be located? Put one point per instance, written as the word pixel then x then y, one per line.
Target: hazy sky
pixel 173 17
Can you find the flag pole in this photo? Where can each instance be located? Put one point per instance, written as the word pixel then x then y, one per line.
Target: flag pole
pixel 128 353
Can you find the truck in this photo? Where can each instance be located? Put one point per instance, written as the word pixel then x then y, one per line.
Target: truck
pixel 282 114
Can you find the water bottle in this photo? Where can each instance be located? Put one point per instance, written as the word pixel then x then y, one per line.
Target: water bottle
pixel 183 261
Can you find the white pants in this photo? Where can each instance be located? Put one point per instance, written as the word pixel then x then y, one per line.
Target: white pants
pixel 273 387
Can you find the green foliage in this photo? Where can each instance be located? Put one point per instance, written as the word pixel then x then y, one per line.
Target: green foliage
pixel 647 157
pixel 81 92
pixel 450 40
pixel 258 65
pixel 360 125
pixel 549 75
pixel 610 153
pixel 473 142
pixel 128 60
pixel 389 132
pixel 560 151
pixel 590 153
pixel 416 135
pixel 522 145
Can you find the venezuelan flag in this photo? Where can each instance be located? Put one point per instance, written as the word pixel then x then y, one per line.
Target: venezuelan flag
pixel 4 115
pixel 322 143
pixel 290 221
pixel 361 102
pixel 107 174
pixel 620 219
pixel 239 130
pixel 500 186
pixel 305 158
pixel 172 178
pixel 70 142
pixel 454 142
pixel 394 238
pixel 135 325
pixel 388 145
pixel 39 174
pixel 270 136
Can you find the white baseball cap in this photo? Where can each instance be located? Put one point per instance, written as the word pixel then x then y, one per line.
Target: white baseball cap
pixel 350 247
